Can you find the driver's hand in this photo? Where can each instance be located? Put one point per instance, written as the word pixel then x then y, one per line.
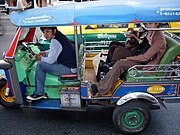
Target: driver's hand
pixel 38 57
pixel 42 53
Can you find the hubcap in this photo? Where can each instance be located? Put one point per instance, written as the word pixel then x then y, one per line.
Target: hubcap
pixel 132 119
pixel 6 99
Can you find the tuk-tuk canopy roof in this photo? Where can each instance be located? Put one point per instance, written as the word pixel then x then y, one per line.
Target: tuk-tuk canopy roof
pixel 99 12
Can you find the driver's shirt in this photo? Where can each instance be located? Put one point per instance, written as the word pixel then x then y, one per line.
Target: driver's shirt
pixel 53 53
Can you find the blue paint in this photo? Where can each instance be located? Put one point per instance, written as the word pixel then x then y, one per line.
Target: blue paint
pixel 9 81
pixel 103 12
pixel 46 104
pixel 84 91
pixel 170 89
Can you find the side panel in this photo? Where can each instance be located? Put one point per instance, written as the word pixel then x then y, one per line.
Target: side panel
pixel 161 89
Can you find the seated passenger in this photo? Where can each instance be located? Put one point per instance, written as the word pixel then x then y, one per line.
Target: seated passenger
pixel 58 60
pixel 158 48
pixel 118 50
pixel 136 45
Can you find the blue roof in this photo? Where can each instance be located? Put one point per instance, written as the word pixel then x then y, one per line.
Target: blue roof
pixel 100 12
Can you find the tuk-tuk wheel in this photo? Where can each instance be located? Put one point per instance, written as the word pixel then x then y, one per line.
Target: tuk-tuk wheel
pixel 5 101
pixel 132 117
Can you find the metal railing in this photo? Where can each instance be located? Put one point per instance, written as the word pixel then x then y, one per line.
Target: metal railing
pixel 160 72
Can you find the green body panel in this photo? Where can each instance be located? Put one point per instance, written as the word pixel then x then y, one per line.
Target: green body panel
pixel 24 60
pixel 52 91
pixel 45 46
pixel 26 68
pixel 172 51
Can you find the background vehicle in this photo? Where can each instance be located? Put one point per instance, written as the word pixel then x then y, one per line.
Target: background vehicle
pixel 132 97
pixel 101 35
pixel 98 37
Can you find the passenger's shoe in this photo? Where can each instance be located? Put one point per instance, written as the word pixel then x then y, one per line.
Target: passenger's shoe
pixel 36 97
pixel 96 95
pixel 93 88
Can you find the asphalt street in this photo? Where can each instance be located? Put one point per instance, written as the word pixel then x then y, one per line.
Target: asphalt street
pixel 96 121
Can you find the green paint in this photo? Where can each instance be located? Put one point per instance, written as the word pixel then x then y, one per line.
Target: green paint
pixel 132 119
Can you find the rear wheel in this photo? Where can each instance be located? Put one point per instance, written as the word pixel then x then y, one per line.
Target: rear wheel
pixel 132 117
pixel 6 101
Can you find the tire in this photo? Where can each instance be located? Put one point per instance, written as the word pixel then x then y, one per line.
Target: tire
pixel 7 102
pixel 132 117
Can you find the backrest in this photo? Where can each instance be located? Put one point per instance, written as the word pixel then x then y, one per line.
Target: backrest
pixel 173 49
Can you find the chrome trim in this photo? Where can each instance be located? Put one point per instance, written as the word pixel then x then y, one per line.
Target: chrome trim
pixel 137 95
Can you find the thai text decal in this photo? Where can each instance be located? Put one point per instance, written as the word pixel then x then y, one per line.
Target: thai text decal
pixel 156 89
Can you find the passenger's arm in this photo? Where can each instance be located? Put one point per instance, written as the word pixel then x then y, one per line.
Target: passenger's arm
pixel 134 36
pixel 155 47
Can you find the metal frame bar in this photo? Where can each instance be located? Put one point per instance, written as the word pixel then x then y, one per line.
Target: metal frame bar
pixel 77 51
pixel 166 69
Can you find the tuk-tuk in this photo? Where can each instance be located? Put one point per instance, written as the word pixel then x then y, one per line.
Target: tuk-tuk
pixel 140 90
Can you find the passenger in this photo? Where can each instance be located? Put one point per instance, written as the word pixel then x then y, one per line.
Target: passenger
pixel 135 45
pixel 158 48
pixel 59 59
pixel 118 50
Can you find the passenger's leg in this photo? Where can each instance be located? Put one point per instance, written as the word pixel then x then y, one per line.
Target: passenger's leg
pixel 112 76
pixel 121 53
pixel 113 45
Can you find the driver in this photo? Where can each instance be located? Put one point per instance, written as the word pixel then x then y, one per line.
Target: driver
pixel 59 59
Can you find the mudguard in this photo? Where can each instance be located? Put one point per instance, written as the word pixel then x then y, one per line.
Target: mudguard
pixel 137 95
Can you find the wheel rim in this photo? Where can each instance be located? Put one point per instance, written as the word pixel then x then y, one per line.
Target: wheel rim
pixel 5 98
pixel 132 119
